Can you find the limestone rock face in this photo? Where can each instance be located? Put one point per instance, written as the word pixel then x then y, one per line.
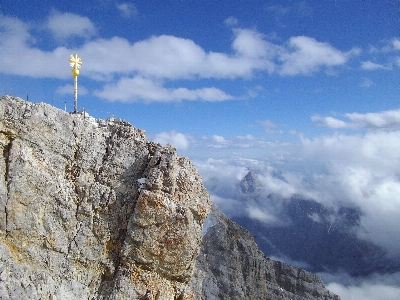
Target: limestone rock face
pixel 89 209
pixel 230 266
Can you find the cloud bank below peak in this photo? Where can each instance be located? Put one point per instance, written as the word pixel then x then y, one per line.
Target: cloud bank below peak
pixel 358 169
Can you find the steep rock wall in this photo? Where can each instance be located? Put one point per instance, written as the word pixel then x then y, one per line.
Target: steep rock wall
pixel 92 210
pixel 230 266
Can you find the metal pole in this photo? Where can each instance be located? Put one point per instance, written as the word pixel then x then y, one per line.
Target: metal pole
pixel 75 63
pixel 75 94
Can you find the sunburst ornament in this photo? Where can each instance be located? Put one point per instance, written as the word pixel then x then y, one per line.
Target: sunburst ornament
pixel 75 62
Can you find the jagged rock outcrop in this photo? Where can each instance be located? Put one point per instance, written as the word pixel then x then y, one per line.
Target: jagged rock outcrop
pixel 230 266
pixel 90 209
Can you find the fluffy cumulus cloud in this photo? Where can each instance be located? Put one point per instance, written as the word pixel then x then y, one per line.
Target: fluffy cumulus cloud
pixel 65 25
pixel 16 54
pixel 389 120
pixel 329 122
pixel 148 90
pixel 306 55
pixel 151 62
pixel 179 140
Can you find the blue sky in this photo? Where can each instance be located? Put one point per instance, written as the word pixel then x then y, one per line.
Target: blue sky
pixel 306 89
pixel 207 68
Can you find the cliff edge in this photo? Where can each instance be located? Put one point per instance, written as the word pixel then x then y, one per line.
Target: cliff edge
pixel 90 209
pixel 231 266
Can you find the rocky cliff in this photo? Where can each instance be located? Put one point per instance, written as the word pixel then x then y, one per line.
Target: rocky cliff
pixel 230 266
pixel 90 209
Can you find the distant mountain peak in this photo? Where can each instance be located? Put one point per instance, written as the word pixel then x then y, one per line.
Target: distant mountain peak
pixel 249 183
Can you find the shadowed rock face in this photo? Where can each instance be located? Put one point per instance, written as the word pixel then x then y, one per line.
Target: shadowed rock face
pixel 90 209
pixel 230 266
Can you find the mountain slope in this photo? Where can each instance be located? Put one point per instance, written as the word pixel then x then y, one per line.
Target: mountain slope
pixel 90 209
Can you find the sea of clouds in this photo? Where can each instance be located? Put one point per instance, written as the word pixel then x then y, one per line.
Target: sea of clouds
pixel 356 165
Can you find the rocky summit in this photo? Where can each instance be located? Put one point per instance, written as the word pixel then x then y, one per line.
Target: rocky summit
pixel 90 209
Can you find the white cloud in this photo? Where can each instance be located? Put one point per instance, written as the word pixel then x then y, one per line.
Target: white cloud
pixel 252 44
pixel 127 9
pixel 227 205
pixel 65 25
pixel 396 44
pixel 306 55
pixel 369 65
pixel 329 122
pixel 256 213
pixel 365 291
pixel 389 119
pixel 220 176
pixel 17 58
pixel 168 57
pixel 357 170
pixel 362 170
pixel 163 57
pixel 147 90
pixel 238 142
pixel 179 140
pixel 247 145
pixel 216 141
pixel 388 46
pixel 123 64
pixel 373 287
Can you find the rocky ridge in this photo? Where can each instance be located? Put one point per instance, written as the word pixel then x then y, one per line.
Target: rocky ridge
pixel 231 266
pixel 90 209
